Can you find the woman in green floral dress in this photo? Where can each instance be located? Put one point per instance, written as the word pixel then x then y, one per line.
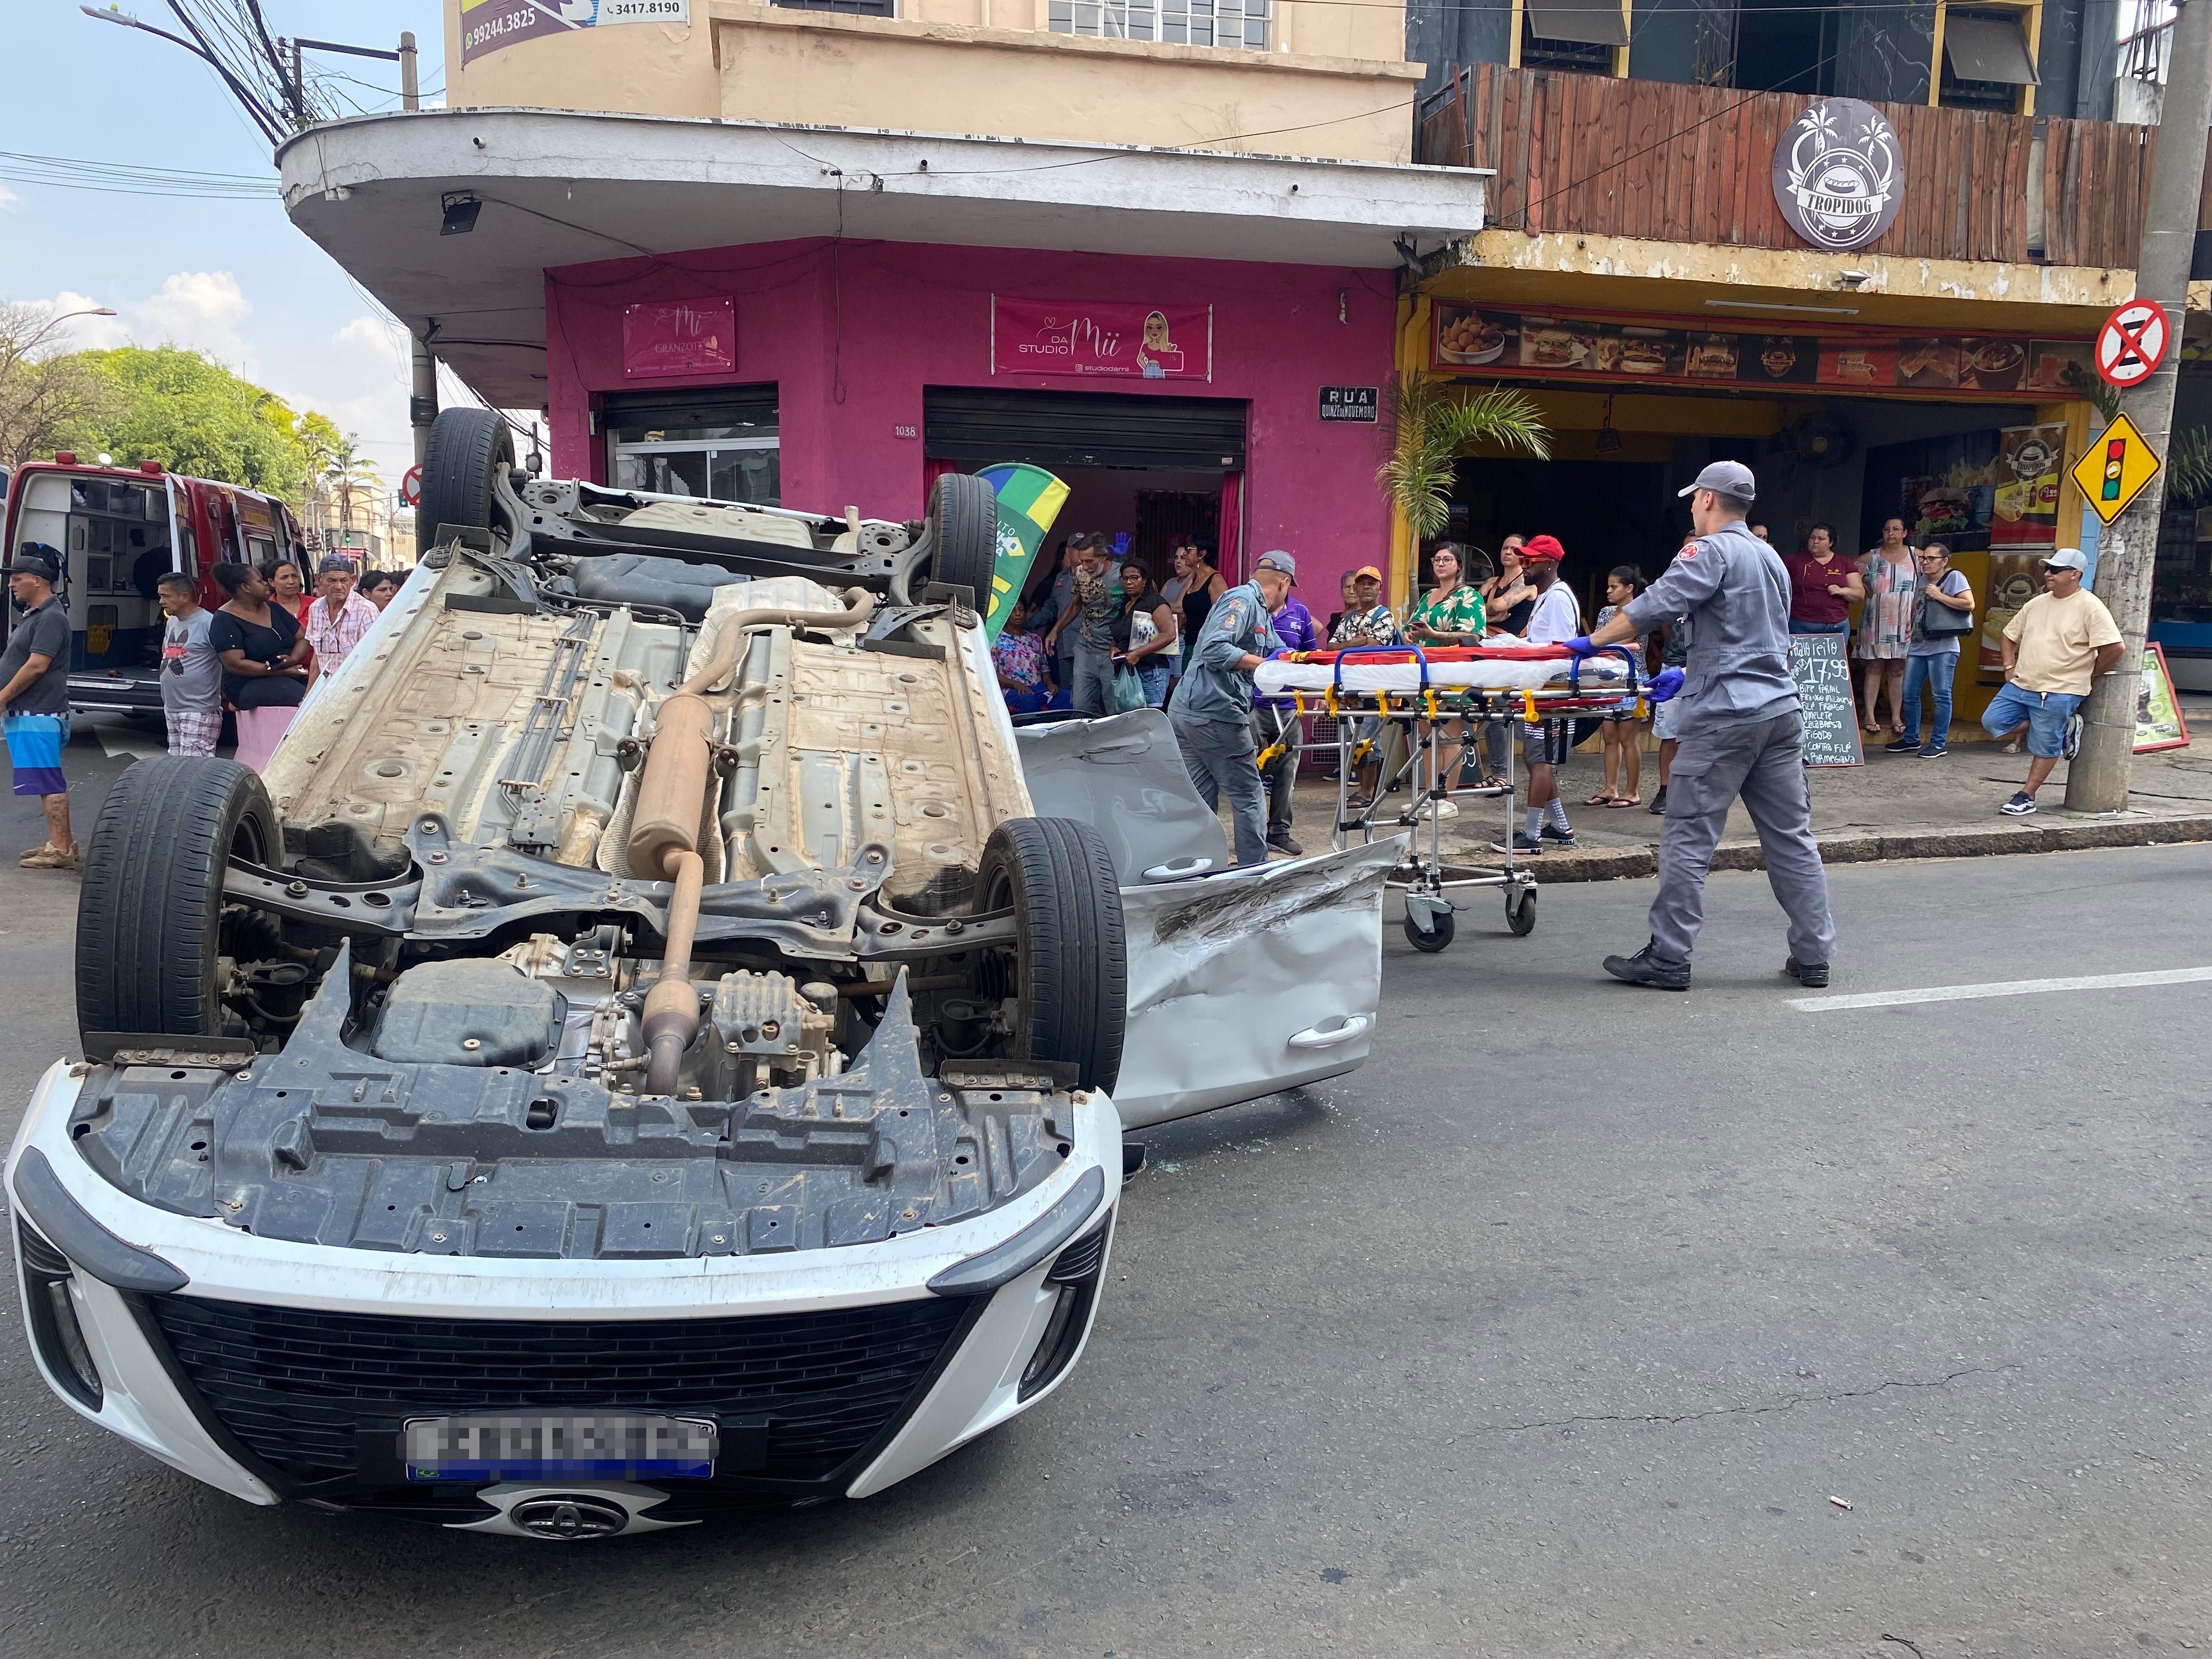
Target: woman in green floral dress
pixel 1449 613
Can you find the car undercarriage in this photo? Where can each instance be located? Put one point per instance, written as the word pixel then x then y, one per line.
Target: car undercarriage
pixel 653 951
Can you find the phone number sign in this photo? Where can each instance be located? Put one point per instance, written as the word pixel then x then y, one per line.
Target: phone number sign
pixel 489 26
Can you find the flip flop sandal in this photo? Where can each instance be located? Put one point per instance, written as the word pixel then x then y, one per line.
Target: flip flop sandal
pixel 1601 800
pixel 1625 800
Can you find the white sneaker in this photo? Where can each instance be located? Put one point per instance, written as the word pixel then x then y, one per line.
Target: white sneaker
pixel 1443 809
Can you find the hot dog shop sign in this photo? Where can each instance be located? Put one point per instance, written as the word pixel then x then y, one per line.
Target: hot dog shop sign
pixel 1838 174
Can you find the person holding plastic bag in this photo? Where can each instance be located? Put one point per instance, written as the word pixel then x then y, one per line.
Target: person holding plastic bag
pixel 1143 640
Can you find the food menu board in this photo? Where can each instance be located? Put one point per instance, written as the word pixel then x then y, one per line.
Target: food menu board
pixel 1512 343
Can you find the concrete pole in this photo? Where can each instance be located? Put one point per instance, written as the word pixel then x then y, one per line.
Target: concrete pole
pixel 411 96
pixel 2097 780
pixel 422 405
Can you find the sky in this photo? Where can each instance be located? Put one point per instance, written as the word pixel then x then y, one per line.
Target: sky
pixel 228 277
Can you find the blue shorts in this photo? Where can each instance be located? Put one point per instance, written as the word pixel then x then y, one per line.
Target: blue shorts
pixel 2047 714
pixel 35 743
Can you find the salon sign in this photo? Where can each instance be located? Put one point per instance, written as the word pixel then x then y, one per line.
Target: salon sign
pixel 1101 339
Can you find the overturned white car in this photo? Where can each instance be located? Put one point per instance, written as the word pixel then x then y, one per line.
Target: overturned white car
pixel 661 1041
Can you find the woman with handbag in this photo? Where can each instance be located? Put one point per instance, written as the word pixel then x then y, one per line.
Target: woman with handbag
pixel 1945 613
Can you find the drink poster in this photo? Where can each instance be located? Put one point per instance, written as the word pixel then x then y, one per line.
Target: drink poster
pixel 1819 664
pixel 1108 338
pixel 2026 506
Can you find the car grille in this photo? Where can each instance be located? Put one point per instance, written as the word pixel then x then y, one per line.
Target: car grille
pixel 304 1389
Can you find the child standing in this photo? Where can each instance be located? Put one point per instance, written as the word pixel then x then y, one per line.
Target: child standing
pixel 1622 732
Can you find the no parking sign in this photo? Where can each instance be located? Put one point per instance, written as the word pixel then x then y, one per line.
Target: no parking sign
pixel 2131 344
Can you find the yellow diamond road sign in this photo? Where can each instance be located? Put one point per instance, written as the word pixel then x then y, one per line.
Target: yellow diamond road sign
pixel 2118 464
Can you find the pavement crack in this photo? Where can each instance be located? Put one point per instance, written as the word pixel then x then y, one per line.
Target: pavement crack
pixel 1905 1642
pixel 1789 1403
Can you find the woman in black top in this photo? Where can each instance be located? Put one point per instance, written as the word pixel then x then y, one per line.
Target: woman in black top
pixel 1202 585
pixel 264 655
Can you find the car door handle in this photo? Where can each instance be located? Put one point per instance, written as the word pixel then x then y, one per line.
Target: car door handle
pixel 1179 870
pixel 1315 1037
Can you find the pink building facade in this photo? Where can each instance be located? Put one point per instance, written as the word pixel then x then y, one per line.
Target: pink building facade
pixel 847 372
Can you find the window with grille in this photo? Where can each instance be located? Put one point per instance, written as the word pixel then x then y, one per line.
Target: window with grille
pixel 1179 22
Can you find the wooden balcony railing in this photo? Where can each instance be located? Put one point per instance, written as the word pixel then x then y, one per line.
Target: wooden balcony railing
pixel 1585 153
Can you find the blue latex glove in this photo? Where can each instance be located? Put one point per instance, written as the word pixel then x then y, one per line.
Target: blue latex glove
pixel 1581 645
pixel 1664 684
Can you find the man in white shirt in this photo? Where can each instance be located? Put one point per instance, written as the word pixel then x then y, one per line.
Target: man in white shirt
pixel 336 618
pixel 2054 646
pixel 1556 618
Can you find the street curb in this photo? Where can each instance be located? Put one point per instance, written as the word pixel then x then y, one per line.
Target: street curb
pixel 1866 846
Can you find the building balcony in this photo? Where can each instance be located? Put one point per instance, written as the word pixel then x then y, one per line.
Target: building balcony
pixel 1586 156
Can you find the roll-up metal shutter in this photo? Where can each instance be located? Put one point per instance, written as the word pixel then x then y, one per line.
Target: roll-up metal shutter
pixel 1083 428
pixel 693 406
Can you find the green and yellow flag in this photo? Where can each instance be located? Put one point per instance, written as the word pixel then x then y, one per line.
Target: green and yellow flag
pixel 1030 499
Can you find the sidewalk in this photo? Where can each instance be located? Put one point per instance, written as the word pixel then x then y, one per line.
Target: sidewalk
pixel 1894 806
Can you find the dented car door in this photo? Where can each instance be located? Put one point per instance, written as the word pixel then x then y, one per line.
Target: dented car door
pixel 1242 981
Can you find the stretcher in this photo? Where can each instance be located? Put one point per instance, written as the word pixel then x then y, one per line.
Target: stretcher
pixel 1440 699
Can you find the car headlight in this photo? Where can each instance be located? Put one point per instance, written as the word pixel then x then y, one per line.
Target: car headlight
pixel 52 1317
pixel 1074 1279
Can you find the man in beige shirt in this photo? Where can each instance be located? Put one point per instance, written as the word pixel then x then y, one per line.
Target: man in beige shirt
pixel 2054 646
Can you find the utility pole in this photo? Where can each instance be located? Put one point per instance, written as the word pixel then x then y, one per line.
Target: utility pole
pixel 423 404
pixel 410 92
pixel 2097 780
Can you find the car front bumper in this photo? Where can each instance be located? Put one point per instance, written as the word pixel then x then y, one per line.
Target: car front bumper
pixel 277 1371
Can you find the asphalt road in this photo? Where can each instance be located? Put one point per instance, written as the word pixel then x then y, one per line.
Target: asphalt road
pixel 1556 1330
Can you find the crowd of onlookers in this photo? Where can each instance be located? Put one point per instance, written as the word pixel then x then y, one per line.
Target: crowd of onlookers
pixel 1104 637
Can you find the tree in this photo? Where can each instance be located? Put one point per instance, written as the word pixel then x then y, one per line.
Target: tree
pixel 192 415
pixel 349 474
pixel 1430 422
pixel 45 393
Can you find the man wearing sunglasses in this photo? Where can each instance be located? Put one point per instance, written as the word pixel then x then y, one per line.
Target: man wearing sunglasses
pixel 2056 644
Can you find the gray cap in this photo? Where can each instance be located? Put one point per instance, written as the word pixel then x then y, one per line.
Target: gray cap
pixel 1276 559
pixel 1729 478
pixel 336 562
pixel 36 559
pixel 2066 558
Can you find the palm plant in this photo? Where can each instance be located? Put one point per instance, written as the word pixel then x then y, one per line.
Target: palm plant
pixel 1430 423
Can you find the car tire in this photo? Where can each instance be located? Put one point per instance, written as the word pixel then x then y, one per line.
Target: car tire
pixel 150 921
pixel 963 534
pixel 1071 979
pixel 468 447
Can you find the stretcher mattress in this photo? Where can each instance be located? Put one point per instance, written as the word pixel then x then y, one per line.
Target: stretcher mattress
pixel 1501 664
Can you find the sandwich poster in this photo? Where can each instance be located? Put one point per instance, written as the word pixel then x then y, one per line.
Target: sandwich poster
pixel 1469 338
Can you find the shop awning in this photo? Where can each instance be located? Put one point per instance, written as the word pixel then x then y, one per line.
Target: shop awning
pixel 1594 23
pixel 1983 47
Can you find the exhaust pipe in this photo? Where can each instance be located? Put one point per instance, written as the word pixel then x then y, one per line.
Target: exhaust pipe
pixel 664 835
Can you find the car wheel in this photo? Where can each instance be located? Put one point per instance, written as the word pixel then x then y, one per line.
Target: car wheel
pixel 149 921
pixel 467 448
pixel 1071 979
pixel 963 534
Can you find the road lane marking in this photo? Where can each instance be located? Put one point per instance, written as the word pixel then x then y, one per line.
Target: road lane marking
pixel 2008 987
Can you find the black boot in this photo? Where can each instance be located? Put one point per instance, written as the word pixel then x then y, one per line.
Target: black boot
pixel 1647 968
pixel 1813 975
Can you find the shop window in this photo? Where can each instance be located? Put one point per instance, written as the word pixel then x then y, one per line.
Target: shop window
pixel 1179 22
pixel 1785 45
pixel 694 444
pixel 855 8
pixel 1988 58
pixel 1589 37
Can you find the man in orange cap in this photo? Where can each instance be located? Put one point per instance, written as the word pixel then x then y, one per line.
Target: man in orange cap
pixel 1545 743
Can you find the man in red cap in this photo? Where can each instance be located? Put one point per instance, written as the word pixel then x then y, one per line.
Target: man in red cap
pixel 1556 618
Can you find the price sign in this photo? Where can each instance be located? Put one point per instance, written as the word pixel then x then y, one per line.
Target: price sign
pixel 2131 344
pixel 2115 470
pixel 1823 673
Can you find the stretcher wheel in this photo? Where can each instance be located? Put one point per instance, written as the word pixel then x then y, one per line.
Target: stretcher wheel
pixel 1437 938
pixel 1520 911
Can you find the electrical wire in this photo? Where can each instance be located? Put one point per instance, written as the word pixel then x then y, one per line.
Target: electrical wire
pixel 125 179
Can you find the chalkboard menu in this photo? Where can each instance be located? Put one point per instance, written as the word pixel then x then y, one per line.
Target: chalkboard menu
pixel 1821 665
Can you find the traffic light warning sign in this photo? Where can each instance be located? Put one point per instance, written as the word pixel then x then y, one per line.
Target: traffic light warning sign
pixel 2116 468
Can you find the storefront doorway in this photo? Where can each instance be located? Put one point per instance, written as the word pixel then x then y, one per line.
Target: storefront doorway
pixel 1154 469
pixel 718 441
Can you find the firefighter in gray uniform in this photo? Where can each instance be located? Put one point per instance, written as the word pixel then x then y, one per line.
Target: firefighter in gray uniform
pixel 1741 731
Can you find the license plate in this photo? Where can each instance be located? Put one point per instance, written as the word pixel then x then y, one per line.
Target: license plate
pixel 537 1447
